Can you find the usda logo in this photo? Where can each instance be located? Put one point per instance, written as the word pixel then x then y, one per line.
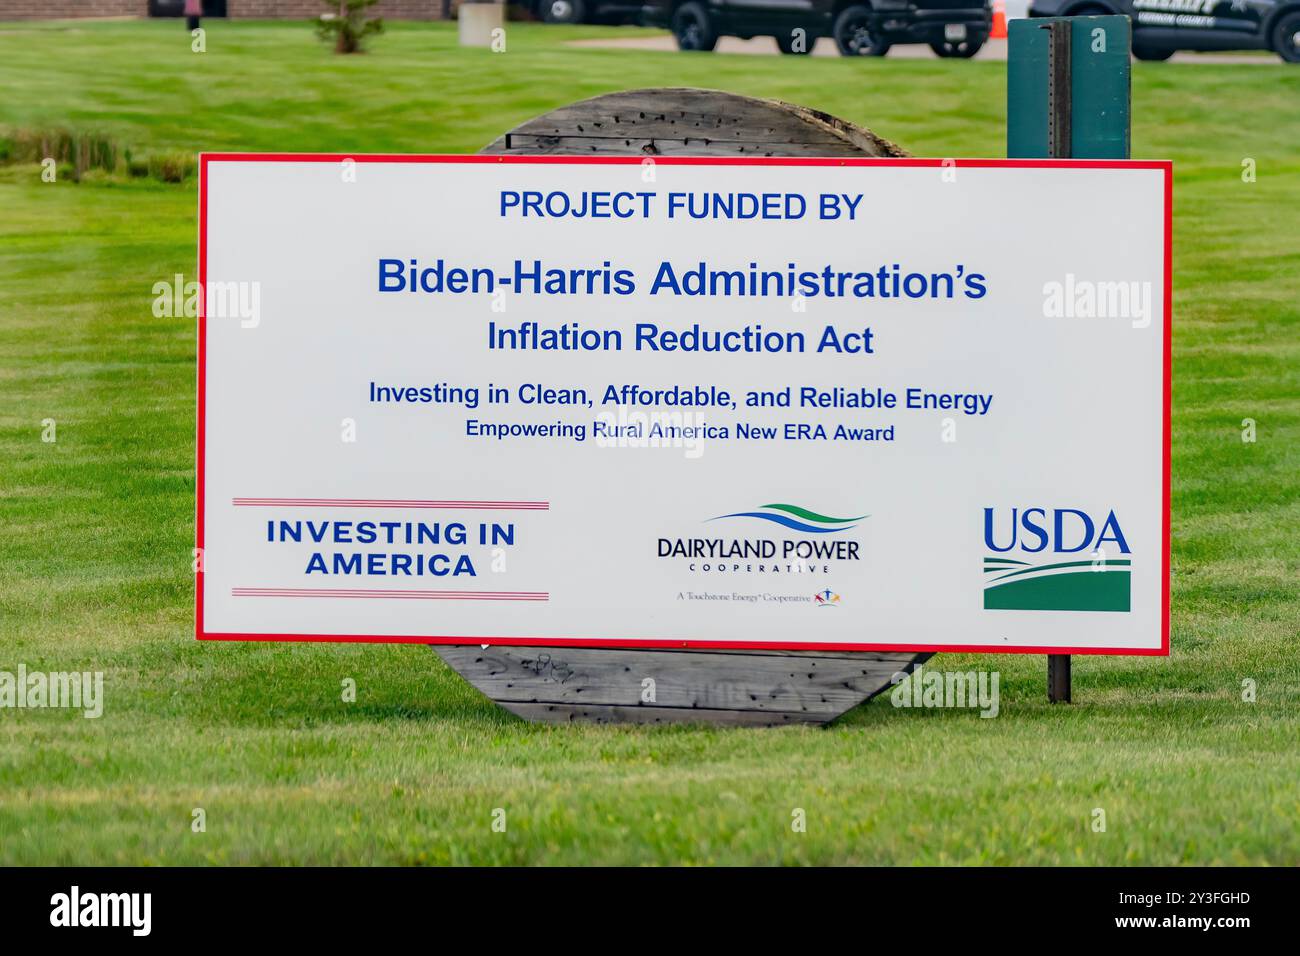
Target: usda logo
pixel 1039 577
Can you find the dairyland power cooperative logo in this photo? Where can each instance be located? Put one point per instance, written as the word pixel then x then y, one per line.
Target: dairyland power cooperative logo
pixel 1064 560
pixel 814 548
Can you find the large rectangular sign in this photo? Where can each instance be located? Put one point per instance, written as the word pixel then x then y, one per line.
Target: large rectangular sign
pixel 800 404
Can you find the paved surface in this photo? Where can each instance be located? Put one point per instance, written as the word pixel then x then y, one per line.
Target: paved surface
pixel 992 50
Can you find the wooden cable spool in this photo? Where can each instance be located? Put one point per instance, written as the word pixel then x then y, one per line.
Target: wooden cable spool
pixel 749 687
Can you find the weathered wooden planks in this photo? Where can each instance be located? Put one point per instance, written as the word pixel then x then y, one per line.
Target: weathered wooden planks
pixel 689 122
pixel 545 144
pixel 746 688
pixel 571 713
pixel 792 686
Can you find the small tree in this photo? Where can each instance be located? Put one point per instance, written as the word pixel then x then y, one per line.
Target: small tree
pixel 347 24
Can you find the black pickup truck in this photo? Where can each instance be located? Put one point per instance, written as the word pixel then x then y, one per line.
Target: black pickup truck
pixel 953 28
pixel 1162 26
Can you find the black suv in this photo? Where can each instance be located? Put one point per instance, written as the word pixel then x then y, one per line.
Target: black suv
pixel 1162 26
pixel 860 27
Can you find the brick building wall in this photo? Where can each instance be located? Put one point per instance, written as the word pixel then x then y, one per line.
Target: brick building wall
pixel 58 9
pixel 251 9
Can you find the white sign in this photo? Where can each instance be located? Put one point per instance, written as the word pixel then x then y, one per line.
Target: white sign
pixel 873 404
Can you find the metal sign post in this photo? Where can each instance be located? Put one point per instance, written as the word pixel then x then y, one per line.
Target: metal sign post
pixel 1068 96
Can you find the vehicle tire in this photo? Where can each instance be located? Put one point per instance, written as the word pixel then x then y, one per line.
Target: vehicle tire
pixel 1286 37
pixel 562 11
pixel 785 43
pixel 964 49
pixel 857 33
pixel 1152 53
pixel 693 28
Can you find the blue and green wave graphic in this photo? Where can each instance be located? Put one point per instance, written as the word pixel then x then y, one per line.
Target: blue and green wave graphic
pixel 1103 585
pixel 797 518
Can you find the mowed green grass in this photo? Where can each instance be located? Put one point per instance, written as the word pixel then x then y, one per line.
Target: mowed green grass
pixel 96 529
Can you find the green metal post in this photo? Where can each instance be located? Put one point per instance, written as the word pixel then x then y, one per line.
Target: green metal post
pixel 1068 96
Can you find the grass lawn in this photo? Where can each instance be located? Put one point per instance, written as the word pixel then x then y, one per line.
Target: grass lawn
pixel 96 528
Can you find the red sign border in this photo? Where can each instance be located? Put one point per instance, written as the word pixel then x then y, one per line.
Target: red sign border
pixel 205 158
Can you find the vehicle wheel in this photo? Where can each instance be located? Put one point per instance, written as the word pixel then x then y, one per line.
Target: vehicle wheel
pixel 965 49
pixel 857 33
pixel 1152 53
pixel 693 28
pixel 563 11
pixel 1286 37
pixel 785 43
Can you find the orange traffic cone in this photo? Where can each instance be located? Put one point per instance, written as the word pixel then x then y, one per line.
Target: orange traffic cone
pixel 999 31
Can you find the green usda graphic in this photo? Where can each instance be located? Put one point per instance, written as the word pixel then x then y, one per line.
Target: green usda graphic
pixel 1044 576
